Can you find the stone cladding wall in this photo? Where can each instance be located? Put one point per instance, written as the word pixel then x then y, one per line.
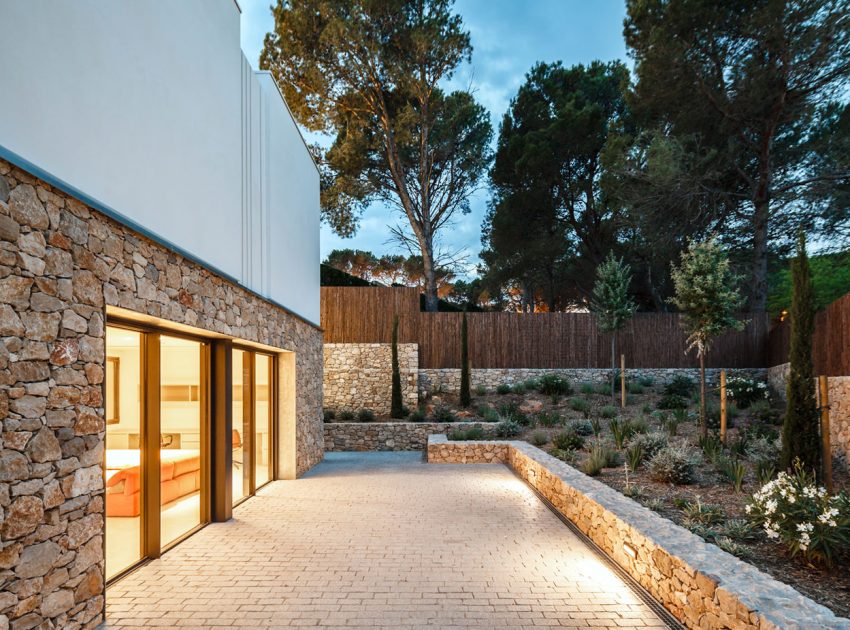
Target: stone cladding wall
pixel 359 376
pixel 391 436
pixel 701 585
pixel 61 264
pixel 447 380
pixel 839 410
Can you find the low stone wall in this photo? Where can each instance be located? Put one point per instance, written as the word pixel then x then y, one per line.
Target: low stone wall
pixel 391 436
pixel 359 375
pixel 447 380
pixel 839 409
pixel 701 585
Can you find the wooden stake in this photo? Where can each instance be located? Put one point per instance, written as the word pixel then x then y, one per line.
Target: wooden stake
pixel 623 380
pixel 723 406
pixel 823 381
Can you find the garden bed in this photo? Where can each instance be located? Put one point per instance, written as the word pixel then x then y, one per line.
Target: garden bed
pixel 584 429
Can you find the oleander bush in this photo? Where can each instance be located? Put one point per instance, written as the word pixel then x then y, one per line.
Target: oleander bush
pixel 554 385
pixel 746 391
pixel 793 510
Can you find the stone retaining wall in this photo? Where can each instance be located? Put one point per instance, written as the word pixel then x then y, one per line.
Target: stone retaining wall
pixel 839 409
pixel 359 375
pixel 701 585
pixel 447 380
pixel 391 436
pixel 62 264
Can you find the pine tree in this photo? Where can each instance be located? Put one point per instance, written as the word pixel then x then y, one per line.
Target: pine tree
pixel 800 431
pixel 707 295
pixel 396 405
pixel 465 396
pixel 611 303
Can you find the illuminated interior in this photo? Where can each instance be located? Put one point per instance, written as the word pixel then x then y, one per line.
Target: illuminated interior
pixel 262 420
pixel 240 484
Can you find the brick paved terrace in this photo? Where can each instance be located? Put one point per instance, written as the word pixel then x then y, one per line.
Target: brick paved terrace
pixel 382 540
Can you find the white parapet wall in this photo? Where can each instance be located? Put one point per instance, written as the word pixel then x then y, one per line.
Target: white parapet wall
pixel 700 584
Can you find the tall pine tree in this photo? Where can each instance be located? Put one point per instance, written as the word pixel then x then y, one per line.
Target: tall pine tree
pixel 396 404
pixel 800 432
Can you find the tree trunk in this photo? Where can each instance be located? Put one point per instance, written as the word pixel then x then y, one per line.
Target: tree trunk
pixel 430 275
pixel 527 305
pixel 758 275
pixel 702 419
pixel 613 365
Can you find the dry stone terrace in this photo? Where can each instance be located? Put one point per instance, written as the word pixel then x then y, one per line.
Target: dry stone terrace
pixel 382 540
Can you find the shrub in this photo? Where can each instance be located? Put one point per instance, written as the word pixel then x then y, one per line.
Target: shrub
pixel 346 416
pixel 532 384
pixel 582 427
pixel 732 547
pixel 647 408
pixel 508 409
pixel 763 412
pixel 758 431
pixel 611 457
pixel 568 440
pixel 329 415
pixel 738 529
pixel 365 415
pixel 603 389
pixel 654 504
pixel 608 411
pixel 508 428
pixel 697 512
pixel 596 425
pixel 745 391
pixel 539 438
pixel 586 389
pixel 650 443
pixel 416 416
pixel 680 386
pixel 711 446
pixel 640 425
pixel 673 464
pixel 802 516
pixel 622 431
pixel 646 381
pixel 548 419
pixel 740 445
pixel 634 388
pixel 672 401
pixel 480 390
pixel 593 465
pixel 518 388
pixel 581 405
pixel 503 389
pixel 555 385
pixel 472 433
pixel 634 456
pixel 733 470
pixel 564 456
pixel 765 471
pixel 444 413
pixel 488 414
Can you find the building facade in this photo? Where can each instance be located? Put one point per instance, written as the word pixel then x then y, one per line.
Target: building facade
pixel 160 358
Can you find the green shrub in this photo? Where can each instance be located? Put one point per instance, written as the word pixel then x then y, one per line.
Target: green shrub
pixel 702 513
pixel 582 427
pixel 640 425
pixel 568 440
pixel 732 547
pixel 346 416
pixel 646 381
pixel 480 390
pixel 738 529
pixel 604 389
pixel 593 465
pixel 548 418
pixel 711 446
pixel 508 409
pixel 654 504
pixel 608 412
pixel 444 413
pixel 365 415
pixel 581 405
pixel 503 389
pixel 634 456
pixel 733 470
pixel 650 443
pixel 586 389
pixel 539 438
pixel 745 391
pixel 596 425
pixel 761 411
pixel 680 386
pixel 532 384
pixel 554 385
pixel 739 445
pixel 635 388
pixel 672 401
pixel 673 464
pixel 416 415
pixel 518 388
pixel 611 457
pixel 621 430
pixel 647 408
pixel 564 456
pixel 472 433
pixel 488 414
pixel 329 415
pixel 765 471
pixel 508 428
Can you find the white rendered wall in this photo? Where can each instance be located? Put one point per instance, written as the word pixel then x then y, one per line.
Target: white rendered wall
pixel 141 106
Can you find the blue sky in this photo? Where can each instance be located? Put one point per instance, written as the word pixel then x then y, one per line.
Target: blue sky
pixel 508 37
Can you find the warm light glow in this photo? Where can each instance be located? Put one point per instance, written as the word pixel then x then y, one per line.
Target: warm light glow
pixel 630 551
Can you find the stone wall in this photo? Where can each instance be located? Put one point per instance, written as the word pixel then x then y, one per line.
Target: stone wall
pixel 839 410
pixel 391 436
pixel 61 265
pixel 701 585
pixel 359 375
pixel 447 380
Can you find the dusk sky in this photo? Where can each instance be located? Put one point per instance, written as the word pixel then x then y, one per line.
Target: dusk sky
pixel 508 37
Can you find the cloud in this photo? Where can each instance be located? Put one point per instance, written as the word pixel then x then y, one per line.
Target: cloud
pixel 508 37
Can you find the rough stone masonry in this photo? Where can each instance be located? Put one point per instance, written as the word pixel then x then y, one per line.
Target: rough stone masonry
pixel 61 264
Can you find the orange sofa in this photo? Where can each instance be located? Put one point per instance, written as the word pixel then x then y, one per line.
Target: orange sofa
pixel 180 475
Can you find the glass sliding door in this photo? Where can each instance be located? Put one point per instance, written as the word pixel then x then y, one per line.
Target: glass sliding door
pixel 124 463
pixel 241 428
pixel 262 419
pixel 181 436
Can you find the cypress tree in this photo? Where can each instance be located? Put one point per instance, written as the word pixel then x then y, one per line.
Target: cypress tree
pixel 396 405
pixel 800 431
pixel 465 396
